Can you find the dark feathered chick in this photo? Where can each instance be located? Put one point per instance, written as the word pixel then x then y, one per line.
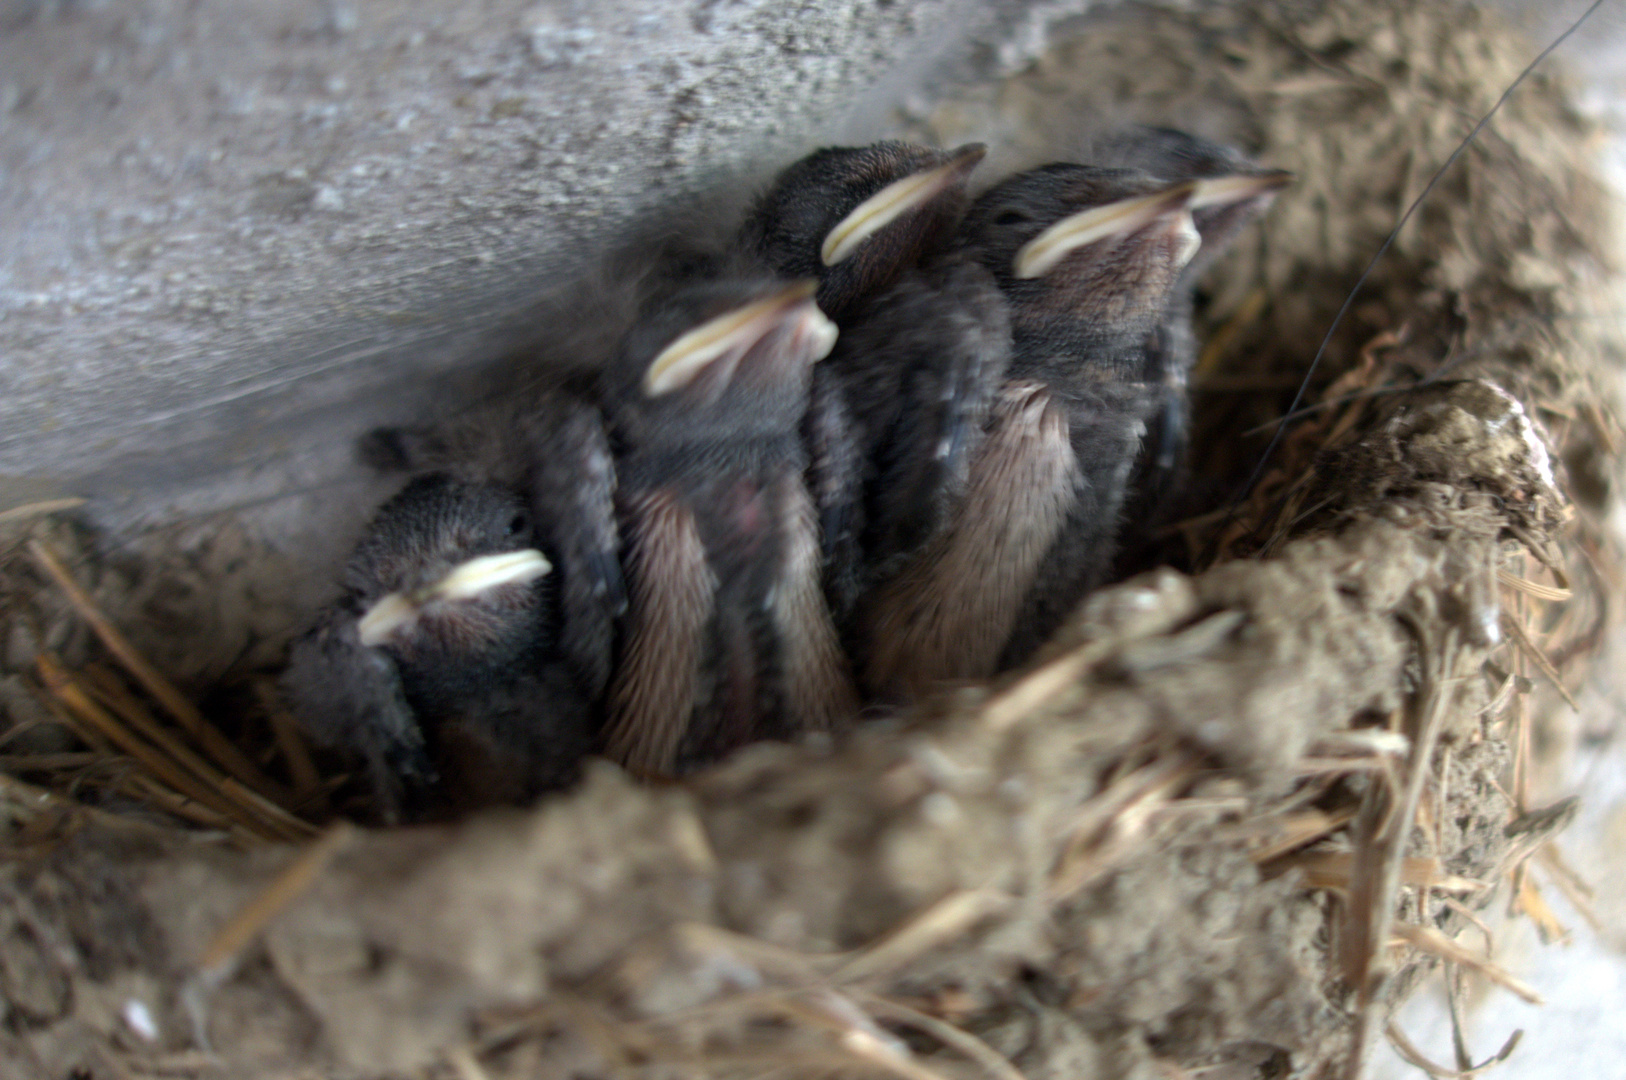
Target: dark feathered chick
pixel 443 654
pixel 553 449
pixel 858 219
pixel 1231 192
pixel 727 638
pixel 1085 258
pixel 921 368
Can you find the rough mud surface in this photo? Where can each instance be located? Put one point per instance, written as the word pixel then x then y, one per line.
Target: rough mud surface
pixel 1165 850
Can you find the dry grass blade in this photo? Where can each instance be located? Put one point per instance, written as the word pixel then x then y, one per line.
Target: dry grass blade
pixel 1539 658
pixel 1294 831
pixel 1532 588
pixel 465 1064
pixel 1114 823
pixel 284 889
pixel 18 797
pixel 140 786
pixel 1038 689
pixel 1434 943
pixel 70 760
pixel 858 1034
pixel 213 743
pixel 291 745
pixel 1311 766
pixel 291 828
pixel 30 511
pixel 86 712
pixel 867 1048
pixel 786 964
pixel 1375 875
pixel 1415 1057
pixel 992 1061
pixel 263 816
pixel 1337 869
pixel 1529 833
pixel 812 994
pixel 1530 830
pixel 1575 890
pixel 943 921
pixel 1503 696
pixel 1474 920
pixel 1528 900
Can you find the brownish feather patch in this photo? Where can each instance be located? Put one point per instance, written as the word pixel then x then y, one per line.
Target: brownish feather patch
pixel 672 595
pixel 949 613
pixel 819 690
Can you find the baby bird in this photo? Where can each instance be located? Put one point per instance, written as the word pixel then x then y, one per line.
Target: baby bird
pixel 727 638
pixel 1085 258
pixel 442 658
pixel 921 368
pixel 857 219
pixel 1231 192
pixel 552 448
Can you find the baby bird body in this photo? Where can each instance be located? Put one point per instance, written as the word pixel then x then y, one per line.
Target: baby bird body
pixel 443 655
pixel 727 638
pixel 859 220
pixel 1085 258
pixel 1231 191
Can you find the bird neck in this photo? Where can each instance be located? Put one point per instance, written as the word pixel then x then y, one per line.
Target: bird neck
pixel 1079 353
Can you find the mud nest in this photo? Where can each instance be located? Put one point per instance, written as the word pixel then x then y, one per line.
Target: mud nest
pixel 1226 821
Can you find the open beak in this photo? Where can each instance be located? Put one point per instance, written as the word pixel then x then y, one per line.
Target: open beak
pixel 1225 190
pixel 465 581
pixel 895 200
pixel 726 339
pixel 1040 255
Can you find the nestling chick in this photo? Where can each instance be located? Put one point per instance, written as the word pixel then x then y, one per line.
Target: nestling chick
pixel 445 650
pixel 1231 192
pixel 727 639
pixel 1086 258
pixel 858 219
pixel 922 367
pixel 552 448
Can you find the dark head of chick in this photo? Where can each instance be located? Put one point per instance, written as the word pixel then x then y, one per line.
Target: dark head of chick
pixel 679 382
pixel 451 586
pixel 439 661
pixel 858 218
pixel 1086 256
pixel 1232 189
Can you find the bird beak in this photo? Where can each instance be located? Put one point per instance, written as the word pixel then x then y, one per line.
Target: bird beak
pixel 721 343
pixel 897 199
pixel 1225 190
pixel 465 581
pixel 1040 255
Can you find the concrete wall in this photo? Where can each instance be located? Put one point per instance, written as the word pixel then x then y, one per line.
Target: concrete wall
pixel 233 234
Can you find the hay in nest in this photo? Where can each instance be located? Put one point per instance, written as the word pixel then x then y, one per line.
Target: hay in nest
pixel 1226 821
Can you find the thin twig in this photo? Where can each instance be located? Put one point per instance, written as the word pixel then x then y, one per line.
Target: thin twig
pixel 283 890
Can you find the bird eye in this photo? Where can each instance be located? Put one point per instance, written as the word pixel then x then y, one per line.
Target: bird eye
pixel 518 524
pixel 1010 217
